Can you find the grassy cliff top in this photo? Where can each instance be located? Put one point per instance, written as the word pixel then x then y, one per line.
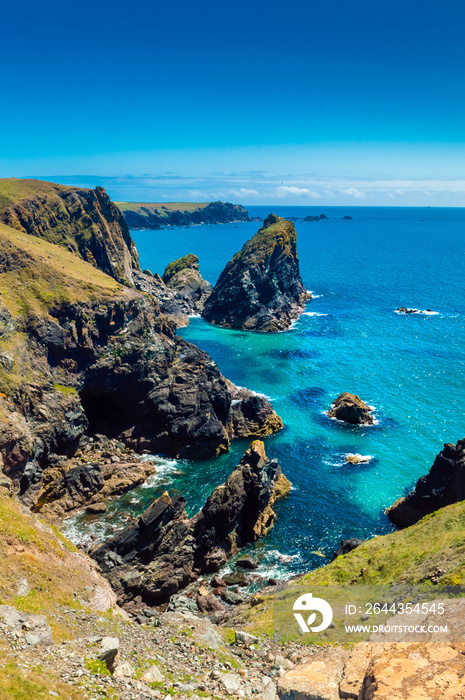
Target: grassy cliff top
pixel 275 231
pixel 410 556
pixel 37 274
pixel 186 262
pixel 161 208
pixel 13 190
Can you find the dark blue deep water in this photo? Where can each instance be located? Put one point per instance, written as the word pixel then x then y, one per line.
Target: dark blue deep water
pixel 410 368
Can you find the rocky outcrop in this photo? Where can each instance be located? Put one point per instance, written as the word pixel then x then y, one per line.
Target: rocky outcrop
pixel 156 216
pixel 184 278
pixel 351 409
pixel 165 551
pixel 181 292
pixel 321 217
pixel 251 414
pixel 443 485
pixel 347 546
pixel 260 288
pixel 85 222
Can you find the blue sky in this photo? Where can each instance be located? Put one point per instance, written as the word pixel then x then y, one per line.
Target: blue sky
pixel 358 102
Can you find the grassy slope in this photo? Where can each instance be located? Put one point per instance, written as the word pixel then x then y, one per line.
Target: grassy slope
pixel 406 556
pixel 45 274
pixel 161 208
pixel 13 190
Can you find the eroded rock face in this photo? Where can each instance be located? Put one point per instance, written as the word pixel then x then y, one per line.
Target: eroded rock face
pixel 260 288
pixel 184 278
pixel 351 409
pixel 444 484
pixel 165 551
pixel 180 293
pixel 84 221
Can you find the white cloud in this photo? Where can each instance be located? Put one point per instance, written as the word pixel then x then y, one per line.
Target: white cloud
pixel 354 192
pixel 286 191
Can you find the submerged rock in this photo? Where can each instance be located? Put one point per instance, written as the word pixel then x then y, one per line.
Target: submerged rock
pixel 165 550
pixel 260 288
pixel 443 485
pixel 351 409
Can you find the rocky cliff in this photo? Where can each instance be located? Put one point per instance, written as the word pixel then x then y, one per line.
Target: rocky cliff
pixel 443 485
pixel 165 551
pixel 140 215
pixel 85 222
pixel 261 288
pixel 80 353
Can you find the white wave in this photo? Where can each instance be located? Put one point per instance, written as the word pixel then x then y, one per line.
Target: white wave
pixel 165 467
pixel 417 312
pixel 312 313
pixel 254 393
pixel 194 315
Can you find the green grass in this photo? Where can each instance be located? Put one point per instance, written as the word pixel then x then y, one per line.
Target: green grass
pixel 13 190
pixel 21 684
pixel 407 556
pixel 66 390
pixel 176 266
pixel 44 274
pixel 161 208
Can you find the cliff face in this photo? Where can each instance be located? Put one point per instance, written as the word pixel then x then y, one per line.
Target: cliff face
pixel 260 288
pixel 79 352
pixel 140 215
pixel 443 485
pixel 85 222
pixel 165 551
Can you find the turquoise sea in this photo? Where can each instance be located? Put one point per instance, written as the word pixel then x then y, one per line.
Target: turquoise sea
pixel 410 368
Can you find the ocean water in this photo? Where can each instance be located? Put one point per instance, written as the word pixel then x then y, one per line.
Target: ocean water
pixel 410 368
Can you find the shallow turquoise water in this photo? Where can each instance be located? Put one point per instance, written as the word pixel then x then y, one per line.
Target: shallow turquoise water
pixel 410 368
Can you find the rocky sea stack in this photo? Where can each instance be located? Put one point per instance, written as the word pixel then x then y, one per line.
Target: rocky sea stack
pixel 443 485
pixel 351 409
pixel 183 277
pixel 164 550
pixel 260 289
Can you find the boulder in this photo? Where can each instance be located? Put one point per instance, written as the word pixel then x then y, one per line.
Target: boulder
pixel 165 550
pixel 443 485
pixel 347 546
pixel 247 563
pixel 351 409
pixel 109 652
pixel 152 675
pixel 260 288
pixel 209 604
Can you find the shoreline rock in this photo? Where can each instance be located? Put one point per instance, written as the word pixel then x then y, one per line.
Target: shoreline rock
pixel 260 289
pixel 443 485
pixel 165 550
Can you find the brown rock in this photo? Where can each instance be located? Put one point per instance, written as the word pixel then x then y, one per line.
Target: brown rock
pixel 209 604
pixel 417 671
pixel 316 679
pixel 354 671
pixel 351 409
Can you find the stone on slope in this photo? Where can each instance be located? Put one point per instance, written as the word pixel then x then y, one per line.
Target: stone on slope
pixel 351 409
pixel 260 288
pixel 443 485
pixel 165 550
pixel 23 624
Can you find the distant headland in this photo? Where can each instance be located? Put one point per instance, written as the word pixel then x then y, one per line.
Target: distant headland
pixel 143 215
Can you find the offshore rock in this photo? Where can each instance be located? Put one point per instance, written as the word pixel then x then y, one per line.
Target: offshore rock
pixel 260 288
pixel 443 485
pixel 84 221
pixel 351 409
pixel 251 414
pixel 165 550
